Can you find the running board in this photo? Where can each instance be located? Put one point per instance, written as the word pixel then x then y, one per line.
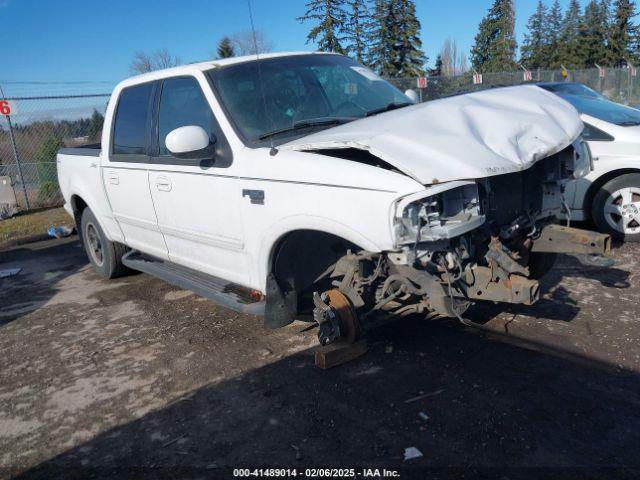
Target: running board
pixel 229 295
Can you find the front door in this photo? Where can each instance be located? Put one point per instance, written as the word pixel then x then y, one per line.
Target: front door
pixel 126 177
pixel 197 202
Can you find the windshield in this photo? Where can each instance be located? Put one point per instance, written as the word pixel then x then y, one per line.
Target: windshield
pixel 596 105
pixel 302 93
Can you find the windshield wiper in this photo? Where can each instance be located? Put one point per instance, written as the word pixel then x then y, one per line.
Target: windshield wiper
pixel 301 124
pixel 629 123
pixel 387 108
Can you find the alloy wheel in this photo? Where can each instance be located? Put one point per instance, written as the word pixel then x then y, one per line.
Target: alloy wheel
pixel 622 210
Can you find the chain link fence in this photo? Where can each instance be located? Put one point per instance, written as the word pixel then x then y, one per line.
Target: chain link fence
pixel 619 84
pixel 30 138
pixel 32 134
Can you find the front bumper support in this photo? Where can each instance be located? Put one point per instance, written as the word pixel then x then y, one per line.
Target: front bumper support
pixel 513 288
pixel 559 239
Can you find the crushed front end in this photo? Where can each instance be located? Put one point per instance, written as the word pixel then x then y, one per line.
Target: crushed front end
pixel 462 241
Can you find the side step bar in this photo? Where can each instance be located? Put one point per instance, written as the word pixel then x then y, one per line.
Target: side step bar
pixel 230 295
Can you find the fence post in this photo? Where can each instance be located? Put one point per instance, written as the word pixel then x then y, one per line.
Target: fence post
pixel 17 158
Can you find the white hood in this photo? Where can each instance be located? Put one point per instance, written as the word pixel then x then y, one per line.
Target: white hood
pixel 464 137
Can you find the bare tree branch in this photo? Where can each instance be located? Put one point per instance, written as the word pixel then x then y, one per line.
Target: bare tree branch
pixel 144 62
pixel 243 43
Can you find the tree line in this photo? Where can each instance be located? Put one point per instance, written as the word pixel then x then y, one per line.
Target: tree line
pixel 385 35
pixel 604 34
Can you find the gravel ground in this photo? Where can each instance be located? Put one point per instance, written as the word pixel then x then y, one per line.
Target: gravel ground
pixel 134 377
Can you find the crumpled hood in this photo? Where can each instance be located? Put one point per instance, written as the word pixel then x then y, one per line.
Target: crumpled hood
pixel 464 137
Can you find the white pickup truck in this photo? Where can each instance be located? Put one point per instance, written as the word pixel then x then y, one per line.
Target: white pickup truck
pixel 304 186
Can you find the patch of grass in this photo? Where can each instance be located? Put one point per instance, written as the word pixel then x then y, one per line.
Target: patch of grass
pixel 28 224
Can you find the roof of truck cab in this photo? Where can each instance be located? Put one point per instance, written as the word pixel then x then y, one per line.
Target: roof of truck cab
pixel 202 66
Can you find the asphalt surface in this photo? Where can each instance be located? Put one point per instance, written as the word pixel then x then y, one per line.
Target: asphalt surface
pixel 134 377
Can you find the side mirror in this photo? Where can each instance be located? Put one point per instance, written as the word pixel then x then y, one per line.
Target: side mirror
pixel 412 95
pixel 190 142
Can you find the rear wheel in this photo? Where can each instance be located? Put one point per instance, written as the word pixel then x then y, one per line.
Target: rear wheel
pixel 105 256
pixel 616 208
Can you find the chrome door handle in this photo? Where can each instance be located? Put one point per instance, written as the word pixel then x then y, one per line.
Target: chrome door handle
pixel 163 184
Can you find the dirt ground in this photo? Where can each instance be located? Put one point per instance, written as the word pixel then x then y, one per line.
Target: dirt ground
pixel 134 378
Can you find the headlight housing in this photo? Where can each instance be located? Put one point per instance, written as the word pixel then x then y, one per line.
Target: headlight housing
pixel 444 211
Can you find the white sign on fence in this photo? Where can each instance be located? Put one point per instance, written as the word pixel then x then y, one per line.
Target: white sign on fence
pixel 8 107
pixel 422 82
pixel 477 78
pixel 526 75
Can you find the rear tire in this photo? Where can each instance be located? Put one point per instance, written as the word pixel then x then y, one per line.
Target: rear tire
pixel 616 208
pixel 105 256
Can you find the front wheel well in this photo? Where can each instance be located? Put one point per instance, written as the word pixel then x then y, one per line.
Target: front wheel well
pixel 305 255
pixel 301 263
pixel 595 187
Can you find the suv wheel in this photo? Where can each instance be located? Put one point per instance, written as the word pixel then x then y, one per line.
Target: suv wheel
pixel 105 256
pixel 616 208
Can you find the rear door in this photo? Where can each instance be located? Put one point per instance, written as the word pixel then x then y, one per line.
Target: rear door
pixel 126 176
pixel 197 201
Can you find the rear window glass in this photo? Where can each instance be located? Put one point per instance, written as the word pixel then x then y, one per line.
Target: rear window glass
pixel 131 121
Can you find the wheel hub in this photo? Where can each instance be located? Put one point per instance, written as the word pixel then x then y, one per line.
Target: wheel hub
pixel 95 245
pixel 335 317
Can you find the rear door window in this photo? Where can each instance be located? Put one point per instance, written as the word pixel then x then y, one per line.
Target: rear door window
pixel 131 124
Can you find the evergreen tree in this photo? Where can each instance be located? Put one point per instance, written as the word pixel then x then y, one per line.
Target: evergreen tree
pixel 330 18
pixel 593 34
pixel 225 48
pixel 356 30
pixel 570 48
pixel 534 53
pixel 553 26
pixel 623 35
pixel 495 44
pixel 410 58
pixel 395 40
pixel 436 71
pixel 95 125
pixel 382 40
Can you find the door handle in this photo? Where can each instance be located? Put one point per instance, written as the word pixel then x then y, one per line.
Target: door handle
pixel 112 178
pixel 163 184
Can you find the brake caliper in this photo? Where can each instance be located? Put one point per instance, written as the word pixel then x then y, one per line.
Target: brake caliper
pixel 326 318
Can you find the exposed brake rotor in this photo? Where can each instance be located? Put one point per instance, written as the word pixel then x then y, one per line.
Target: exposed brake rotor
pixel 335 316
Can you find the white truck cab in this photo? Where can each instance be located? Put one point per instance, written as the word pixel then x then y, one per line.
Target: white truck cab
pixel 305 186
